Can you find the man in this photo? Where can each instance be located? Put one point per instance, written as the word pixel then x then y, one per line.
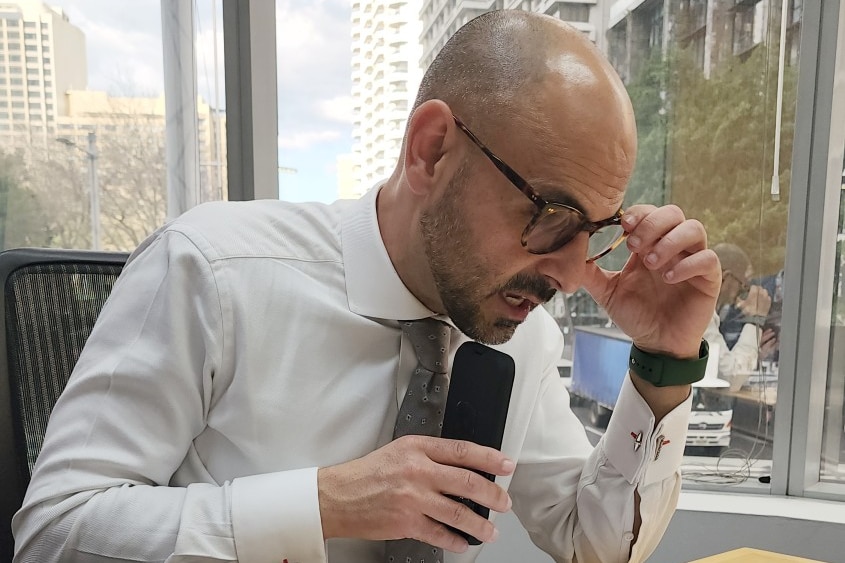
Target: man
pixel 752 304
pixel 238 397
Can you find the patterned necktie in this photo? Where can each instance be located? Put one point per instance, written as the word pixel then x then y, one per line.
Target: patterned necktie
pixel 421 413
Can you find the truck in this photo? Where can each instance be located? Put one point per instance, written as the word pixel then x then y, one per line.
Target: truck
pixel 599 364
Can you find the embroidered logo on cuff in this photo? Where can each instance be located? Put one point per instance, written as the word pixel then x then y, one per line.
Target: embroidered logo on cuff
pixel 661 441
pixel 638 440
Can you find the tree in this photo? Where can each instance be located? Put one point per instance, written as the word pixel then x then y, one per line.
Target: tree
pixel 50 205
pixel 721 151
pixel 20 209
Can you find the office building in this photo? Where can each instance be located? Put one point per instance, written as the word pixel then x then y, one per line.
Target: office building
pixel 131 124
pixel 385 76
pixel 714 30
pixel 42 55
pixel 442 18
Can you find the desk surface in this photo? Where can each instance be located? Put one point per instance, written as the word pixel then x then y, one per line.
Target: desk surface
pixel 748 555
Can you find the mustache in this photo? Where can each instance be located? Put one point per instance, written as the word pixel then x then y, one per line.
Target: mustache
pixel 535 286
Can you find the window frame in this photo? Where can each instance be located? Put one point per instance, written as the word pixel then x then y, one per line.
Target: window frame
pixel 810 255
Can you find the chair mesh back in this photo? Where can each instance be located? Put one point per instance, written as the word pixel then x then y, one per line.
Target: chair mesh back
pixel 50 311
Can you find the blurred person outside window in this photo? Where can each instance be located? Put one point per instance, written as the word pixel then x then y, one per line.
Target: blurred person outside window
pixel 752 302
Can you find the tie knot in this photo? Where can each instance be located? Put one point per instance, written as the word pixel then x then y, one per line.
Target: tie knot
pixel 430 338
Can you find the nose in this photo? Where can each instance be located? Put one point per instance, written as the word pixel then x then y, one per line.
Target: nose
pixel 566 265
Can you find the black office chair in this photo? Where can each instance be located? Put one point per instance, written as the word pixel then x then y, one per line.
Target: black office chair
pixel 48 304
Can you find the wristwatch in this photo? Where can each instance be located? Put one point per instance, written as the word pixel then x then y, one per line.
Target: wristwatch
pixel 661 370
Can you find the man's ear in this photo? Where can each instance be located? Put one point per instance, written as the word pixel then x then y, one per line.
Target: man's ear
pixel 428 146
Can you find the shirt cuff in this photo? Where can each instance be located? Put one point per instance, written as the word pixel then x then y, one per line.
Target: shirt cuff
pixel 276 517
pixel 639 451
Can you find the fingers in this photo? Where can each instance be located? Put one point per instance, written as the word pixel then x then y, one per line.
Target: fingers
pixel 757 302
pixel 459 453
pixel 447 511
pixel 768 335
pixel 454 474
pixel 456 471
pixel 662 234
pixel 668 242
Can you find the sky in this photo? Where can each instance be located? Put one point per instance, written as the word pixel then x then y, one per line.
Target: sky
pixel 124 54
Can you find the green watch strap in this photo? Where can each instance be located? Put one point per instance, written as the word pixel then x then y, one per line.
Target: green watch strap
pixel 662 371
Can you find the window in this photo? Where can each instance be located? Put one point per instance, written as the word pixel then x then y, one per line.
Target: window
pixel 832 454
pixel 572 12
pixel 123 112
pixel 686 80
pixel 833 460
pixel 749 24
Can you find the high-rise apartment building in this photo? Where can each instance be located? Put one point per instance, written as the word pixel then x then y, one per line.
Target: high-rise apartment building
pixel 442 18
pixel 715 31
pixel 42 55
pixel 386 73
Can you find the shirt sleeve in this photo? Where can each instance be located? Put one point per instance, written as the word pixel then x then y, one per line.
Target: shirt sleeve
pixel 577 502
pixel 742 357
pixel 139 395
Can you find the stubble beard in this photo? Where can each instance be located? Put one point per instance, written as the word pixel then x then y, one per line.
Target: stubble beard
pixel 460 276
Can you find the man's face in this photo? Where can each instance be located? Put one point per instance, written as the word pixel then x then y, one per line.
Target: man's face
pixel 484 304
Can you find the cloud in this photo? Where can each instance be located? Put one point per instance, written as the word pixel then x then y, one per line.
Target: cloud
pixel 338 108
pixel 123 45
pixel 307 139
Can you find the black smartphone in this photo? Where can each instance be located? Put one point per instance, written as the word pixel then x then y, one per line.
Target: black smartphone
pixel 477 405
pixel 773 319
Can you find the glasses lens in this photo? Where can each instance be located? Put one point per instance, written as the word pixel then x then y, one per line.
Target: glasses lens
pixel 604 240
pixel 554 227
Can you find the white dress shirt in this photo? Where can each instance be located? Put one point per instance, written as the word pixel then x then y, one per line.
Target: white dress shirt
pixel 246 345
pixel 743 356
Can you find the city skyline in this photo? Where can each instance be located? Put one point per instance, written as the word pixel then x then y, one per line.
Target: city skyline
pixel 124 57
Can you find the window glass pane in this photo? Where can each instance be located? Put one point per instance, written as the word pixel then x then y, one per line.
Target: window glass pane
pixel 324 69
pixel 703 78
pixel 833 439
pixel 91 170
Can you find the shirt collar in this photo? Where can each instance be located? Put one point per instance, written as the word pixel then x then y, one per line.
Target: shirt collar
pixel 373 288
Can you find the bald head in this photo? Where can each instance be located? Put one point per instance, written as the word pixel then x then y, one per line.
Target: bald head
pixel 509 73
pixel 503 61
pixel 733 258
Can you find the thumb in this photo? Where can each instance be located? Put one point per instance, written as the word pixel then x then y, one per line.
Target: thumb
pixel 597 282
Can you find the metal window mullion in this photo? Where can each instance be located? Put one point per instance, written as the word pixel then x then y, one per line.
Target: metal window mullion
pixel 180 99
pixel 252 124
